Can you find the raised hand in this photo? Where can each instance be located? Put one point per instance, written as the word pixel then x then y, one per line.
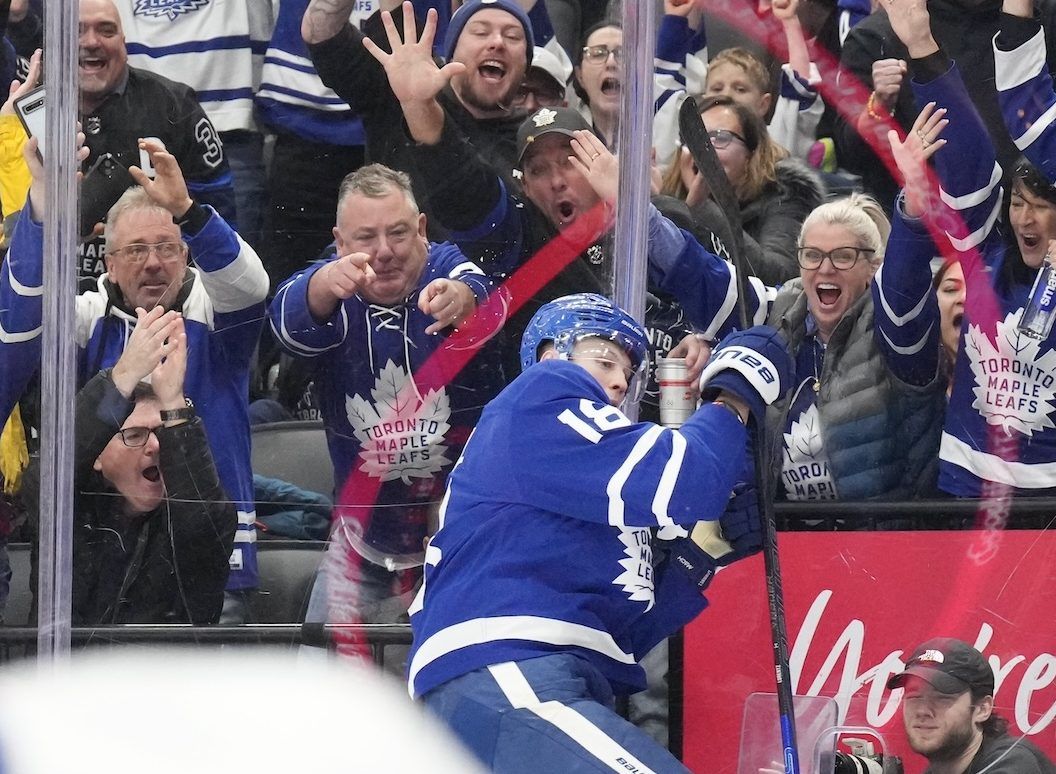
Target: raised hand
pixel 447 301
pixel 911 21
pixel 151 340
pixel 18 88
pixel 596 163
pixel 888 75
pixel 168 188
pixel 413 75
pixel 785 10
pixel 912 154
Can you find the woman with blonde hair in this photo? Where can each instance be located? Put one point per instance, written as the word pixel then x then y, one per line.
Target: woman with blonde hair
pixel 849 429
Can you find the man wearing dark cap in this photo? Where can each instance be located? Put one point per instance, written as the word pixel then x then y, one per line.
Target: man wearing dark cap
pixel 948 711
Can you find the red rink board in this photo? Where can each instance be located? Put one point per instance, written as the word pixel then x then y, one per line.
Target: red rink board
pixel 855 602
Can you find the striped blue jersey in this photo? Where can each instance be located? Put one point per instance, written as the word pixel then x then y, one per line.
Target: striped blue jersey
pixel 1000 419
pixel 544 542
pixel 223 310
pixel 1028 103
pixel 214 46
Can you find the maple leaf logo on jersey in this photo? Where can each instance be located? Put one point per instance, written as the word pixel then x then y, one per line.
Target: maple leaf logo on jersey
pixel 637 576
pixel 806 472
pixel 400 435
pixel 170 9
pixel 1014 387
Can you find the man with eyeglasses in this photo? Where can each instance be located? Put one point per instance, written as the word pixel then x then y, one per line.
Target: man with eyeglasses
pixel 119 104
pixel 152 527
pixel 948 712
pixel 151 233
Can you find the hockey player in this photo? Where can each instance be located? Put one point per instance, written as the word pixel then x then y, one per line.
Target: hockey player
pixel 543 586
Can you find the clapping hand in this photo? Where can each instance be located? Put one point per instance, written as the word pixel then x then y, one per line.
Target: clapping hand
pixel 152 339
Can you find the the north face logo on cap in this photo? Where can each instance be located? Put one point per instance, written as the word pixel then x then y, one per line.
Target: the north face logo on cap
pixel 931 655
pixel 544 117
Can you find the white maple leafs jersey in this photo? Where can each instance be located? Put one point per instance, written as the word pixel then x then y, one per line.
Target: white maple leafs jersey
pixel 214 46
pixel 1000 419
pixel 544 542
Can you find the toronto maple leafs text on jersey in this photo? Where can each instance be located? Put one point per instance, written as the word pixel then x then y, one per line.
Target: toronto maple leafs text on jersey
pixel 394 426
pixel 999 423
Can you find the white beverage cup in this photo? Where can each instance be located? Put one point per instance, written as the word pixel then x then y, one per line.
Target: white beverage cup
pixel 678 395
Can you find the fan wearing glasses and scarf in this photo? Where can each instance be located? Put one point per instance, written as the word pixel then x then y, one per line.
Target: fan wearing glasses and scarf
pixel 153 529
pixel 775 192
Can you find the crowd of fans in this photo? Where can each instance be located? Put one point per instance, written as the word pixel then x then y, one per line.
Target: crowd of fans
pixel 350 211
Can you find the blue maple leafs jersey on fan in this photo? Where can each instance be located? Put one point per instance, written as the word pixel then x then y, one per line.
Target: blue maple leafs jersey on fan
pixel 999 423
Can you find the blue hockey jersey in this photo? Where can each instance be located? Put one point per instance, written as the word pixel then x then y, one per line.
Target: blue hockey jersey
pixel 544 542
pixel 223 308
pixel 1000 419
pixel 394 430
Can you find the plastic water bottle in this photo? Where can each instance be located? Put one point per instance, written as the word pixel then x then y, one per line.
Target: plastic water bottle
pixel 1040 311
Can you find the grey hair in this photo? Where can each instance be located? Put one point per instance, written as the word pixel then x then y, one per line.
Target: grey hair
pixel 135 198
pixel 376 181
pixel 860 214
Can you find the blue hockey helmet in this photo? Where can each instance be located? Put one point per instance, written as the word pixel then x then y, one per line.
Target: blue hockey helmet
pixel 566 320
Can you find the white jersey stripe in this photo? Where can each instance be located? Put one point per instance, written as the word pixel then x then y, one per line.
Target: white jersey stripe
pixel 666 488
pixel 515 627
pixel 991 467
pixel 1041 123
pixel 973 198
pixel 615 487
pixel 1014 68
pixel 578 727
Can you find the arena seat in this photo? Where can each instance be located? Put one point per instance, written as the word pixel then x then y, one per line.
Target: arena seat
pixel 294 452
pixel 287 571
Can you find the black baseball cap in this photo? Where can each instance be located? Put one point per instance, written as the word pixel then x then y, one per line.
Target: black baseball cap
pixel 951 666
pixel 564 120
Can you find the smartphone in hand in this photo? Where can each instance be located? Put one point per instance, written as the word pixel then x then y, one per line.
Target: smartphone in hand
pixel 30 111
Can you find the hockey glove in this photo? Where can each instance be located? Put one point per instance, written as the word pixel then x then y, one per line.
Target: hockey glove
pixel 754 365
pixel 741 525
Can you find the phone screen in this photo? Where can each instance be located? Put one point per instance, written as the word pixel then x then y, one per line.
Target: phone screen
pixel 30 110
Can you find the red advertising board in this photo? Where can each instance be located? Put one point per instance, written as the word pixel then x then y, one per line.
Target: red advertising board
pixel 856 603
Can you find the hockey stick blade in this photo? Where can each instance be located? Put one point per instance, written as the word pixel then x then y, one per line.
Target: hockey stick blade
pixel 696 141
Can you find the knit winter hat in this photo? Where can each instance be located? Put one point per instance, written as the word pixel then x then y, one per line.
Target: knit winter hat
pixel 461 17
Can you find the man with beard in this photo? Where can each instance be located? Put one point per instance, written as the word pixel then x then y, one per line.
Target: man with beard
pixel 948 711
pixel 491 40
pixel 561 211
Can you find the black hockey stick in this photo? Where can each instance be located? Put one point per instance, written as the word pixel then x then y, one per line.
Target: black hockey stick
pixel 695 139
